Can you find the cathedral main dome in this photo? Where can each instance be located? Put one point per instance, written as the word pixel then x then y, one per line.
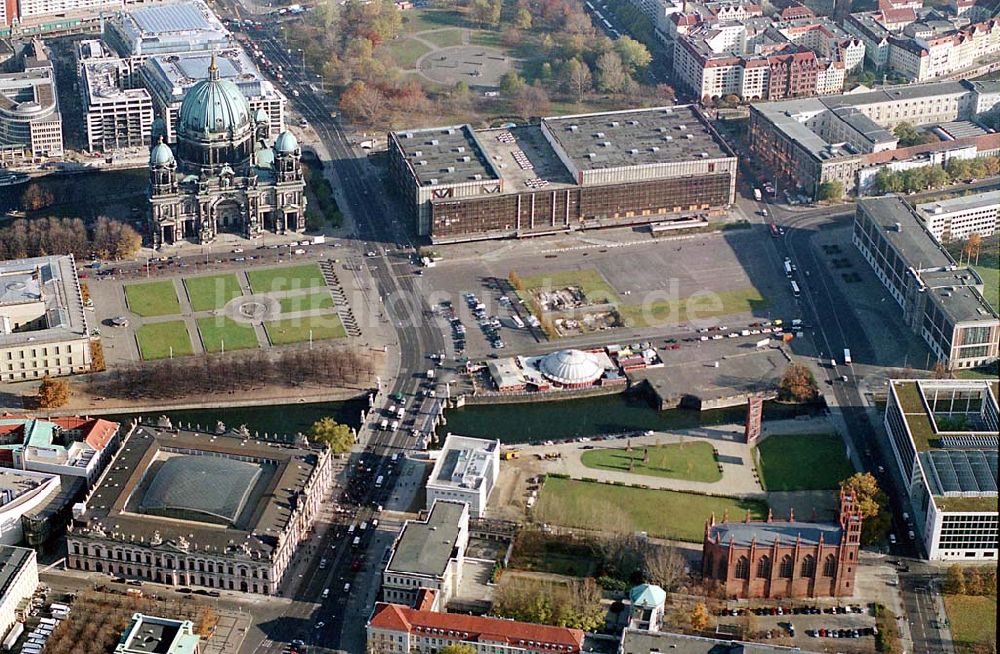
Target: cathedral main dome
pixel 213 106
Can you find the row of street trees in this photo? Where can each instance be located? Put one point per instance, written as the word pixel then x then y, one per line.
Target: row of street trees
pixel 915 180
pixel 108 239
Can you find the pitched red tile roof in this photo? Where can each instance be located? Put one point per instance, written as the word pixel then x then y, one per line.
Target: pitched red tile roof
pixel 903 15
pixel 471 628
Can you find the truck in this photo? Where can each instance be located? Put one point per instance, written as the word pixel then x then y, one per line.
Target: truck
pixel 430 374
pixel 318 240
pixel 757 195
pixel 847 357
pixel 384 425
pixel 367 144
pixel 517 321
pixel 511 454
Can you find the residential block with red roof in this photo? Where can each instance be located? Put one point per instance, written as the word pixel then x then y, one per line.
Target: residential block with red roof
pixel 72 446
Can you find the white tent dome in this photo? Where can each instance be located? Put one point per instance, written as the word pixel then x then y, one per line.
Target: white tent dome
pixel 571 367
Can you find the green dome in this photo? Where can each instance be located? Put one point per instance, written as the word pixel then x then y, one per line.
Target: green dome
pixel 161 155
pixel 213 106
pixel 286 143
pixel 262 116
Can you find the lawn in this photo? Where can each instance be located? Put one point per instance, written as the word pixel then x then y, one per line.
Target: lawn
pixel 289 278
pixel 699 306
pixel 991 284
pixel 310 302
pixel 489 39
pixel 660 513
pixel 212 291
pixel 405 52
pixel 789 462
pixel 296 330
pixel 589 280
pixel 444 38
pixel 217 331
pixel 694 461
pixel 973 620
pixel 419 20
pixel 153 298
pixel 160 340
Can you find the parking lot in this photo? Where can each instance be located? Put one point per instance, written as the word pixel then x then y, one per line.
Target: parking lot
pixel 823 626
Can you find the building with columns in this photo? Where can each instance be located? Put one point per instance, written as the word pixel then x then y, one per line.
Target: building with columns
pixel 780 559
pixel 225 175
pixel 223 511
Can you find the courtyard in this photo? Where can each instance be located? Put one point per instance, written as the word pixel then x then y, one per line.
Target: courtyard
pixel 694 460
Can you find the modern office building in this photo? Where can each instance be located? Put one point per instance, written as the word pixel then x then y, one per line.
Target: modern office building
pixel 941 302
pixel 117 117
pixel 167 28
pixel 169 78
pixel 395 629
pixel 43 325
pixel 148 634
pixel 944 437
pixel 465 471
pixel 196 509
pixel 427 555
pixel 25 494
pixel 958 218
pixel 805 142
pixel 226 176
pixel 781 559
pixel 30 121
pixel 18 581
pixel 71 446
pixel 567 173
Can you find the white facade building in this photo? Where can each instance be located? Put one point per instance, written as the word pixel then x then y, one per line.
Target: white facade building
pixel 943 434
pixel 22 492
pixel 958 218
pixel 30 121
pixel 18 581
pixel 466 471
pixel 32 8
pixel 117 117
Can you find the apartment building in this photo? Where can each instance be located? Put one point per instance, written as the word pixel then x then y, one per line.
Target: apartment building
pixel 808 141
pixel 956 219
pixel 27 9
pixel 116 117
pixel 941 302
pixel 943 434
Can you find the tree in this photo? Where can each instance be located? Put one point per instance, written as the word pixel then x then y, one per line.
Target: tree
pixel 958 169
pixel 515 280
pixel 522 19
pixel 578 78
pixel 871 501
pixel 511 84
pixel 830 191
pixel 457 649
pixel 36 197
pixel 798 384
pixel 362 102
pixel 972 246
pixel 954 581
pixel 699 617
pixel 53 393
pixel 907 134
pixel 634 55
pixel 533 100
pixel 914 179
pixel 937 177
pixel 611 74
pixel 973 582
pixel 334 435
pixel 887 181
pixel 941 370
pixel 663 565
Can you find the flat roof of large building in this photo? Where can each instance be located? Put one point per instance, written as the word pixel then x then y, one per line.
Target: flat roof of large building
pixel 620 139
pixel 166 28
pixel 425 546
pixel 636 641
pixel 61 303
pixel 446 155
pixel 172 75
pixel 140 494
pixel 963 203
pixel 149 634
pixel 463 462
pixel 12 560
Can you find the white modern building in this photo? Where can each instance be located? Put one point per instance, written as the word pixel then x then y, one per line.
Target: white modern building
pixel 22 493
pixel 18 581
pixel 71 446
pixel 30 121
pixel 428 554
pixel 43 325
pixel 170 77
pixel 465 471
pixel 956 219
pixel 117 117
pixel 170 636
pixel 943 434
pixel 168 28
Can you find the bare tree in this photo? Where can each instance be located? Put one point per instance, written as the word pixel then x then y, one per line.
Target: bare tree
pixel 663 565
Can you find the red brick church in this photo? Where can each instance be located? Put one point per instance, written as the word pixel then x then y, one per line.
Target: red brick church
pixel 784 558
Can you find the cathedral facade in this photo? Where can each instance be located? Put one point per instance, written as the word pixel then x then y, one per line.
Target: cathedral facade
pixel 225 177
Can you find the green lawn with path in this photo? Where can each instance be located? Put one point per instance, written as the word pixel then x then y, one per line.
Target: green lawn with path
pixel 973 620
pixel 444 38
pixel 660 513
pixel 160 340
pixel 296 330
pixel 420 20
pixel 218 331
pixel 791 462
pixel 212 291
pixel 289 278
pixel 309 302
pixel 153 298
pixel 694 461
pixel 405 52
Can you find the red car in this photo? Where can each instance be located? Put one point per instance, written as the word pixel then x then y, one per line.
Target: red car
pixel 355 565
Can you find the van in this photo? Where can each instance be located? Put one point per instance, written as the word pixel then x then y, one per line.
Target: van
pixel 350 530
pixel 364 525
pixel 326 593
pixel 379 481
pixel 356 542
pixel 347 587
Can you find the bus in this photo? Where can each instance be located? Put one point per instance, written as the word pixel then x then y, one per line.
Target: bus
pixel 788 269
pixel 795 289
pixel 517 321
pixel 774 230
pixel 607 24
pixel 847 357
